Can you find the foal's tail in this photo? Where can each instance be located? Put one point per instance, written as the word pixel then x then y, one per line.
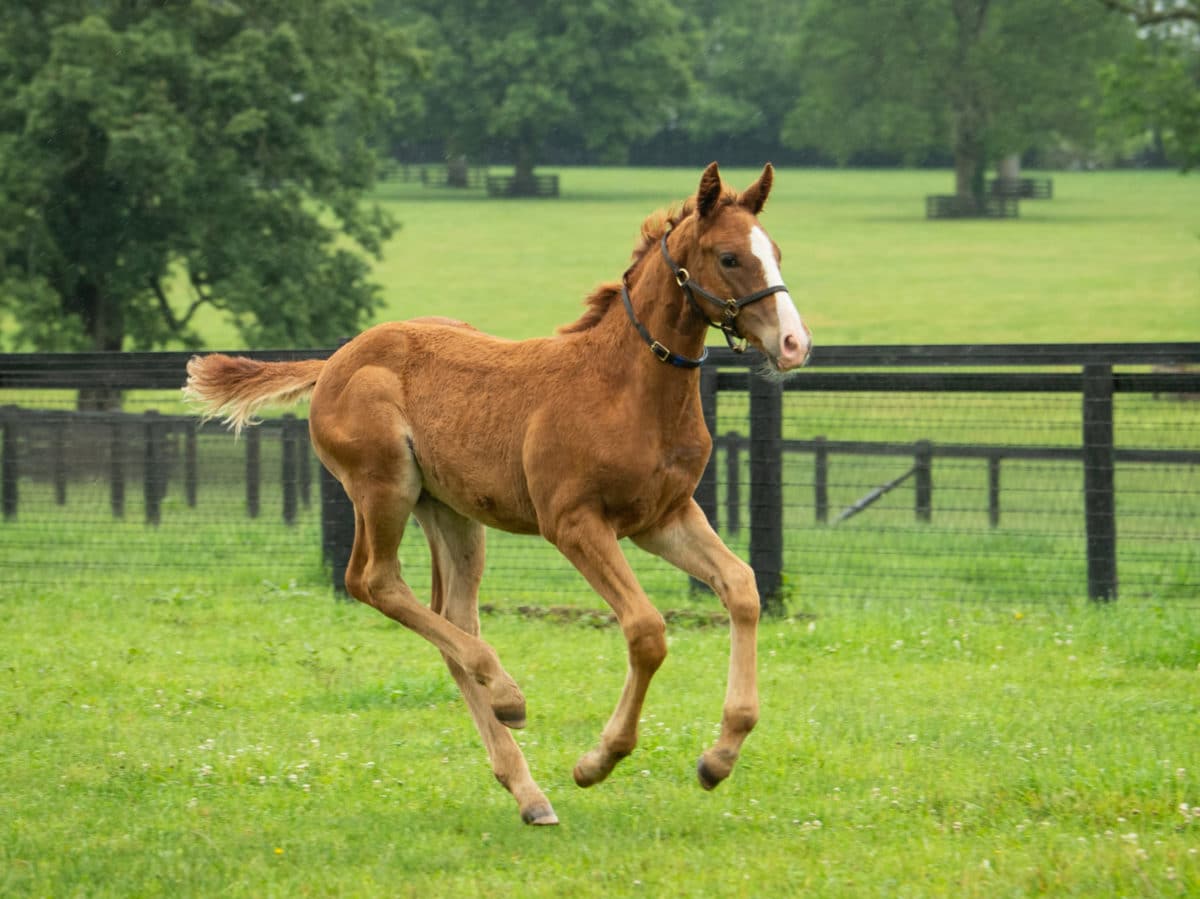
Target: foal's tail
pixel 234 387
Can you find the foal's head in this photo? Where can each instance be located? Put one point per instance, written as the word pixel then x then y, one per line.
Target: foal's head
pixel 732 268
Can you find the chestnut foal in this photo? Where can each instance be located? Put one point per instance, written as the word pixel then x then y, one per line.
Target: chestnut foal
pixel 584 438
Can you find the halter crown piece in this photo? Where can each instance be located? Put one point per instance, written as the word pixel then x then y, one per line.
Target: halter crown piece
pixel 729 312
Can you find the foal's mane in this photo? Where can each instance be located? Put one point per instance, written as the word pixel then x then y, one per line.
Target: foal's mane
pixel 653 228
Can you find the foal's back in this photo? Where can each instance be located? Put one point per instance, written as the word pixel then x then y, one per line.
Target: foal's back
pixel 476 414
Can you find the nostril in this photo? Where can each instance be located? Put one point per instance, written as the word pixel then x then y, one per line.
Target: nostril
pixel 791 345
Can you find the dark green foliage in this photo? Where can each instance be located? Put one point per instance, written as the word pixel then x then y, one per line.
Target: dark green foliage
pixel 981 79
pixel 505 79
pixel 159 157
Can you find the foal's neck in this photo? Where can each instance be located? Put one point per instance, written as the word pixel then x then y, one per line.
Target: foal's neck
pixel 669 393
pixel 663 309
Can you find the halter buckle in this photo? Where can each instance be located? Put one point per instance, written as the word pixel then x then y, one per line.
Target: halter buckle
pixel 660 351
pixel 682 276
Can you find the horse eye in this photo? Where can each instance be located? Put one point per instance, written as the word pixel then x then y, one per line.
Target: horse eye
pixel 728 260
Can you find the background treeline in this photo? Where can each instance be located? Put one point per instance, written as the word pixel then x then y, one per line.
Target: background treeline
pixel 163 157
pixel 878 82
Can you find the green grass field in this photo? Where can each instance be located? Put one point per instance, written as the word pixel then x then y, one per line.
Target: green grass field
pixel 1115 256
pixel 184 722
pixel 279 744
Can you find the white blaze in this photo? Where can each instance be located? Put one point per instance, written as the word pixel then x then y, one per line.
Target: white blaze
pixel 785 309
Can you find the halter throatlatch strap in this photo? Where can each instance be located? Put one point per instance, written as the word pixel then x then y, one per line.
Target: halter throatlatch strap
pixel 660 352
pixel 729 307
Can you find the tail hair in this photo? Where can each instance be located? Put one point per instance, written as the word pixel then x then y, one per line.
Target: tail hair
pixel 234 388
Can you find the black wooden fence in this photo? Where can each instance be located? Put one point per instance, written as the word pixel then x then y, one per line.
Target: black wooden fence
pixel 142 448
pixel 745 478
pixel 1093 379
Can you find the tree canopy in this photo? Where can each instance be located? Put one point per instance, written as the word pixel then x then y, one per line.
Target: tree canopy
pixel 982 77
pixel 1153 87
pixel 512 77
pixel 207 150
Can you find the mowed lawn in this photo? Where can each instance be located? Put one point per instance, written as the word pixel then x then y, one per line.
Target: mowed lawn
pixel 1114 257
pixel 271 741
pixel 284 744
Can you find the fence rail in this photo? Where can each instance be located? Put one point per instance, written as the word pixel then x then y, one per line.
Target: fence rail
pixel 766 455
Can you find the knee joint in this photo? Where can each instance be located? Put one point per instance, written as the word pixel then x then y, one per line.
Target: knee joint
pixel 647 640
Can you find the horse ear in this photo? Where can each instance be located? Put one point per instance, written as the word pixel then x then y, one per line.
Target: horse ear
pixel 755 196
pixel 710 190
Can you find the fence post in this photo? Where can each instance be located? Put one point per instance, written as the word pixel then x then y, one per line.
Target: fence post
pixel 733 483
pixel 923 470
pixel 337 528
pixel 154 478
pixel 820 479
pixel 766 490
pixel 9 464
pixel 58 459
pixel 191 468
pixel 116 464
pixel 287 439
pixel 1098 494
pixel 706 491
pixel 253 470
pixel 994 491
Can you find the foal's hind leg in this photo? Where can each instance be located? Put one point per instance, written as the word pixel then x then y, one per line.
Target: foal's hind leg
pixel 456 546
pixel 690 543
pixel 383 501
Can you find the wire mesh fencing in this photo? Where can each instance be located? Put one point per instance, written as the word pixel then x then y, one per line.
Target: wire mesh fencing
pixel 974 484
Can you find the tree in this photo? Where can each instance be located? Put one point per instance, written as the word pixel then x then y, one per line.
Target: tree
pixel 988 78
pixel 508 77
pixel 159 157
pixel 1154 86
pixel 745 79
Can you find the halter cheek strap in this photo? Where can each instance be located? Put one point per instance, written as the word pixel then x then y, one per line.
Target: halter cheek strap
pixel 729 312
pixel 730 308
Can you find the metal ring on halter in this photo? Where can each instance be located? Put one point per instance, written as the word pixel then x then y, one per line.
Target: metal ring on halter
pixel 729 308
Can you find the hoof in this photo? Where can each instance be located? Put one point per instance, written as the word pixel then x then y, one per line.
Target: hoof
pixel 708 778
pixel 585 779
pixel 595 766
pixel 539 816
pixel 514 718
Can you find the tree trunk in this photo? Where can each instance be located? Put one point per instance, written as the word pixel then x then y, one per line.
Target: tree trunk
pixel 970 110
pixel 457 172
pixel 524 182
pixel 970 160
pixel 104 323
pixel 966 171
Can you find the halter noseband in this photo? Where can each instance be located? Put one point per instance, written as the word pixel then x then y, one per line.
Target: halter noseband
pixel 729 308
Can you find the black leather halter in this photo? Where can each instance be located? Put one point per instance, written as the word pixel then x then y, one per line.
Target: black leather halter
pixel 729 312
pixel 729 308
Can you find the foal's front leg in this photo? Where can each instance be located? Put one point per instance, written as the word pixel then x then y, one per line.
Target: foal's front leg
pixel 592 547
pixel 689 543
